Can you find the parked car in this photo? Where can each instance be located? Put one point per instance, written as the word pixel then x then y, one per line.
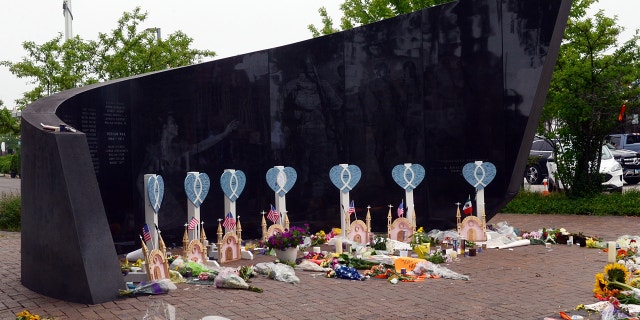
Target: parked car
pixel 610 169
pixel 630 162
pixel 536 170
pixel 628 141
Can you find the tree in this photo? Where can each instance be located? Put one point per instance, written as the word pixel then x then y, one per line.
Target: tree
pixel 54 66
pixel 127 51
pixel 8 124
pixel 361 12
pixel 59 65
pixel 593 77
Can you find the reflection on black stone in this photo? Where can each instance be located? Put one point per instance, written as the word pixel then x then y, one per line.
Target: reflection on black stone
pixel 439 87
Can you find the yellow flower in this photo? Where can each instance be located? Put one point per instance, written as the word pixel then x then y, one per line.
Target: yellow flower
pixel 421 229
pixel 600 286
pixel 337 231
pixel 24 313
pixel 592 243
pixel 617 272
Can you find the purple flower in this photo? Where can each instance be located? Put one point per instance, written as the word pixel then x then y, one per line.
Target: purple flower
pixel 291 237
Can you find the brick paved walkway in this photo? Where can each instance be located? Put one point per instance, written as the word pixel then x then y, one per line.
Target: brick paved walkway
pixel 528 282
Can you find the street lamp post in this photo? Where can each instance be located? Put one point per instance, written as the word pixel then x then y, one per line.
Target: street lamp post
pixel 158 34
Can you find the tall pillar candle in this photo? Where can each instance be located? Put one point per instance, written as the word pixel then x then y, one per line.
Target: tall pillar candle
pixel 611 252
pixel 338 243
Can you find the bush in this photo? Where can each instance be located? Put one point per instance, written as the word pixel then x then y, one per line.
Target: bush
pixel 14 166
pixel 5 162
pixel 10 212
pixel 617 204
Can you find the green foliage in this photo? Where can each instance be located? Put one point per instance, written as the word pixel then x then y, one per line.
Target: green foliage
pixel 58 65
pixel 9 212
pixel 617 204
pixel 5 163
pixel 8 124
pixel 361 12
pixel 436 258
pixel 54 66
pixel 591 81
pixel 14 165
pixel 127 51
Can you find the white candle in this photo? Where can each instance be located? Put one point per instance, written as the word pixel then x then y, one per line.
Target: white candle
pixel 611 258
pixel 338 243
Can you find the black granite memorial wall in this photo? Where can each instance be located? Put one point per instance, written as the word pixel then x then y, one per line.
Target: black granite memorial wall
pixel 441 87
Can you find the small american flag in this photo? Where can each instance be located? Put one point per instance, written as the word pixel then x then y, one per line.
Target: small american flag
pixel 273 214
pixel 229 222
pixel 352 207
pixel 401 209
pixel 193 223
pixel 145 233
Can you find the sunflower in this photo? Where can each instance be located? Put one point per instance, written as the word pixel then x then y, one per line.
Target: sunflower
pixel 600 286
pixel 635 282
pixel 616 272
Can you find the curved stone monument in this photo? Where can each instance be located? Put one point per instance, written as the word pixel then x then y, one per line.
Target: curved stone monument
pixel 444 86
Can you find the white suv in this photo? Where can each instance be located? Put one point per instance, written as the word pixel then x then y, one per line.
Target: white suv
pixel 609 168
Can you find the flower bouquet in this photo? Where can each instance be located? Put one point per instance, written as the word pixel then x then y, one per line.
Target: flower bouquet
pixel 613 280
pixel 319 238
pixel 290 238
pixel 26 315
pixel 420 243
pixel 285 244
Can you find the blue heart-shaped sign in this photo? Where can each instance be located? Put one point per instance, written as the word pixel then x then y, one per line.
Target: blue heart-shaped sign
pixel 196 186
pixel 408 176
pixel 155 191
pixel 281 179
pixel 479 175
pixel 232 183
pixel 345 178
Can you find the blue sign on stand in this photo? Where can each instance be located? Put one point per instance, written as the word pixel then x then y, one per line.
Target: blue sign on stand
pixel 345 178
pixel 196 186
pixel 232 184
pixel 281 180
pixel 155 191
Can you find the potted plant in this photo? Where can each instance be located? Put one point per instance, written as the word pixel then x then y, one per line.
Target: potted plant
pixel 285 244
pixel 420 243
pixel 472 248
pixel 14 167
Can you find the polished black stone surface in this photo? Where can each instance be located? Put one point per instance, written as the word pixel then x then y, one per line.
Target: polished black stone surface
pixel 441 87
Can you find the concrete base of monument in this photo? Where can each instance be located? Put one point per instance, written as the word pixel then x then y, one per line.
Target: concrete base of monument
pixel 244 254
pixel 136 276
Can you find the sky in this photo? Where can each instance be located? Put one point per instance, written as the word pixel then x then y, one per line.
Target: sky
pixel 227 27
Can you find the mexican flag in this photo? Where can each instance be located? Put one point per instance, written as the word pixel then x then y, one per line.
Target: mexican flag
pixel 468 207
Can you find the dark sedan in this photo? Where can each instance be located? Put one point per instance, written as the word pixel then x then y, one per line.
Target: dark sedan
pixel 536 170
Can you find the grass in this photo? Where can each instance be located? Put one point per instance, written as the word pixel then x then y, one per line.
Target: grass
pixel 10 212
pixel 605 204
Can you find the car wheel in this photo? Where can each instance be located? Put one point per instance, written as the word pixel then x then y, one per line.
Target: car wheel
pixel 632 180
pixel 532 173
